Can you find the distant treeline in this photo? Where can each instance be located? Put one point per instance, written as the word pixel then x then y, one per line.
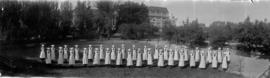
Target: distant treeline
pixel 26 20
pixel 252 36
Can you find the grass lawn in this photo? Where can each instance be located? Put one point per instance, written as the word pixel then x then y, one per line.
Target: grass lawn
pixel 22 66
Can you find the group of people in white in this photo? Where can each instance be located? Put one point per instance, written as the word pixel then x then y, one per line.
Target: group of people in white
pixel 165 56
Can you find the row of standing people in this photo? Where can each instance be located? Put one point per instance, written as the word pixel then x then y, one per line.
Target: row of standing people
pixel 135 57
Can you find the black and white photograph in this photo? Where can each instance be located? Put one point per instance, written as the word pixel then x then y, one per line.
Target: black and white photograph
pixel 135 38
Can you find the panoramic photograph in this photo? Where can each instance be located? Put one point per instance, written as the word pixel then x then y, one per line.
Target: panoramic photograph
pixel 135 38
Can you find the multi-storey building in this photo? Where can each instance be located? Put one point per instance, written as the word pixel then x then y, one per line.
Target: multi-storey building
pixel 158 16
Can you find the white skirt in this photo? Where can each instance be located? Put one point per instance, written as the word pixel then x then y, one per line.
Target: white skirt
pixel 53 54
pixel 60 58
pixel 134 55
pixel 119 59
pixel 202 62
pixel 107 58
pixel 224 64
pixel 48 59
pixel 219 57
pixel 77 56
pixel 197 56
pixel 181 61
pixel 214 62
pixel 65 54
pixel 96 59
pixel 149 59
pixel 129 59
pixel 85 59
pixel 101 53
pixel 209 57
pixel 192 61
pixel 176 57
pixel 165 54
pixel 42 54
pixel 171 61
pixel 160 60
pixel 156 54
pixel 71 60
pixel 90 53
pixel 113 57
pixel 144 54
pixel 139 60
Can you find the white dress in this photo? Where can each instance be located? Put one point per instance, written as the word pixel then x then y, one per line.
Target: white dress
pixel 197 55
pixel 107 57
pixel 85 59
pixel 156 53
pixel 77 56
pixel 165 53
pixel 192 60
pixel 60 56
pixel 171 61
pixel 228 54
pixel 129 58
pixel 144 54
pixel 96 57
pixel 202 60
pixel 48 59
pixel 53 53
pixel 101 53
pixel 176 55
pixel 65 52
pixel 90 52
pixel 209 56
pixel 134 54
pixel 42 52
pixel 149 57
pixel 224 64
pixel 181 60
pixel 160 59
pixel 219 56
pixel 113 57
pixel 214 60
pixel 123 52
pixel 185 55
pixel 119 58
pixel 139 58
pixel 71 60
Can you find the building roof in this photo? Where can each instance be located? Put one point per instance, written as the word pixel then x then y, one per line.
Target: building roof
pixel 158 9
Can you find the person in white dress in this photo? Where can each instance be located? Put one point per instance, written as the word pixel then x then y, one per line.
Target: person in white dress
pixel 214 59
pixel 228 54
pixel 149 57
pixel 224 64
pixel 145 54
pixel 42 55
pixel 53 53
pixel 113 55
pixel 219 56
pixel 186 58
pixel 192 59
pixel 156 53
pixel 209 56
pixel 77 56
pixel 119 60
pixel 197 55
pixel 65 53
pixel 101 53
pixel 123 50
pixel 181 59
pixel 165 53
pixel 60 60
pixel 176 54
pixel 71 60
pixel 160 59
pixel 129 58
pixel 96 57
pixel 134 54
pixel 170 60
pixel 202 60
pixel 90 53
pixel 107 57
pixel 48 59
pixel 85 58
pixel 139 58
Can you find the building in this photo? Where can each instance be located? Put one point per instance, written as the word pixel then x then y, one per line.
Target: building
pixel 158 16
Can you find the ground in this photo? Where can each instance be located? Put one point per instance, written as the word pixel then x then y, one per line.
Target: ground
pixel 26 64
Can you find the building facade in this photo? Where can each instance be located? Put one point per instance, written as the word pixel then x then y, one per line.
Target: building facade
pixel 158 16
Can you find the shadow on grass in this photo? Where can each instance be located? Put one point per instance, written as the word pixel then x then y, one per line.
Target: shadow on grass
pixel 18 66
